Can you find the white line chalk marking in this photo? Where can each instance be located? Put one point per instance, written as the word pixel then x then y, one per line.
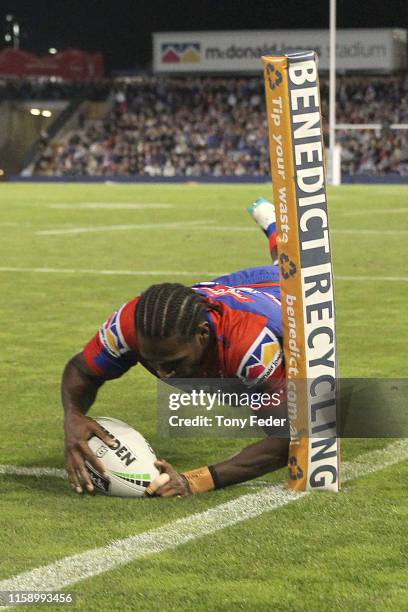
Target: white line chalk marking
pixel 39 472
pixel 397 279
pixel 73 569
pixel 110 272
pixel 376 211
pixel 193 274
pixel 115 228
pixel 110 206
pixel 17 470
pixel 370 232
pixel 198 225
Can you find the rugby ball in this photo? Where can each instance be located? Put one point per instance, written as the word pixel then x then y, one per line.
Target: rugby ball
pixel 130 463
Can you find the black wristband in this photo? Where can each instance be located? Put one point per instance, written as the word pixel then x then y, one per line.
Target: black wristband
pixel 217 483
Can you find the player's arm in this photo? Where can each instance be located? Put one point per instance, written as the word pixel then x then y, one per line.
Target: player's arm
pixel 260 458
pixel 79 386
pixel 79 389
pixel 265 456
pixel 106 356
pixel 255 460
pixel 260 368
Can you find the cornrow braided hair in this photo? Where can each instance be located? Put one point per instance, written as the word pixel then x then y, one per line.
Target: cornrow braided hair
pixel 170 309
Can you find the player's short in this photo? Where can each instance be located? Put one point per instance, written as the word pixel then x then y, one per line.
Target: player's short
pixel 265 278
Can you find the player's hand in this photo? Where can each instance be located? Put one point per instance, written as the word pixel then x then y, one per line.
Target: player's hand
pixel 174 485
pixel 78 429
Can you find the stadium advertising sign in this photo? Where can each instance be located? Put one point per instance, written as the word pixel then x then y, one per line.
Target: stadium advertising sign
pixel 72 64
pixel 308 312
pixel 357 49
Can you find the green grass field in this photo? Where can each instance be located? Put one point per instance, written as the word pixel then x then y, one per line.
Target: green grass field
pixel 323 552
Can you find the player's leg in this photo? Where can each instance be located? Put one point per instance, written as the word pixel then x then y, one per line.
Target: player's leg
pixel 259 277
pixel 263 213
pixel 256 277
pixel 263 278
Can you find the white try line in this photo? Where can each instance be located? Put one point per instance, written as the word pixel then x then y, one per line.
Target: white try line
pixel 72 569
pixel 194 274
pixel 40 472
pixel 110 206
pixel 17 470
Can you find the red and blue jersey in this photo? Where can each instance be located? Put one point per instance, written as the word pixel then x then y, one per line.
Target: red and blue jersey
pixel 247 329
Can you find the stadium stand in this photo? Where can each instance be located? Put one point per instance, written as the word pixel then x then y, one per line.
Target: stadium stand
pixel 45 88
pixel 156 126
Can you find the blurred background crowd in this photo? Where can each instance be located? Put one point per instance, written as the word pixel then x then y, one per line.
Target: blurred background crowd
pixel 156 126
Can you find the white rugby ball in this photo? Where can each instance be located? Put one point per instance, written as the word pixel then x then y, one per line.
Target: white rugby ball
pixel 130 463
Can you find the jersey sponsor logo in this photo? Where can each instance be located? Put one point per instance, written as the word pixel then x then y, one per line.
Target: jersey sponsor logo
pixel 111 336
pixel 262 359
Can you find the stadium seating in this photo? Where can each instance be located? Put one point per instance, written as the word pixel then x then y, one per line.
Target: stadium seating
pixel 157 126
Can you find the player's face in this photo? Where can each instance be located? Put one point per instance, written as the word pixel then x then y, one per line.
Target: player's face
pixel 176 357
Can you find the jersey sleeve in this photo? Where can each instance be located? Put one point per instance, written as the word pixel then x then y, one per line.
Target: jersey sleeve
pixel 113 349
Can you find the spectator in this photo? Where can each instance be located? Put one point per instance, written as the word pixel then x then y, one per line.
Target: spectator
pixel 210 126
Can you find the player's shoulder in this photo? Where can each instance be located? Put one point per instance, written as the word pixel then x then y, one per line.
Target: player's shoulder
pixel 113 349
pixel 249 331
pixel 118 332
pixel 251 344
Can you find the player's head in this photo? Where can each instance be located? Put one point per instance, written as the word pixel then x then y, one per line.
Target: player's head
pixel 172 329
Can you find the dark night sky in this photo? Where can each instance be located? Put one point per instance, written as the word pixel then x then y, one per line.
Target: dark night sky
pixel 121 29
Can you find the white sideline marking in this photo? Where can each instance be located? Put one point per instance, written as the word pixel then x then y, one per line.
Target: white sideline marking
pixel 114 228
pixel 72 569
pixel 199 274
pixel 109 206
pixel 376 460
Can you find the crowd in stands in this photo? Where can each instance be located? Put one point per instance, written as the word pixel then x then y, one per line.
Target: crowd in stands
pixel 45 88
pixel 160 126
pixel 382 101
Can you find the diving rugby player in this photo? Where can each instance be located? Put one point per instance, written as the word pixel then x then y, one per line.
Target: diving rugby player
pixel 230 327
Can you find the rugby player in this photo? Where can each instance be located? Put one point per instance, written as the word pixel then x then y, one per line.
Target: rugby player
pixel 230 327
